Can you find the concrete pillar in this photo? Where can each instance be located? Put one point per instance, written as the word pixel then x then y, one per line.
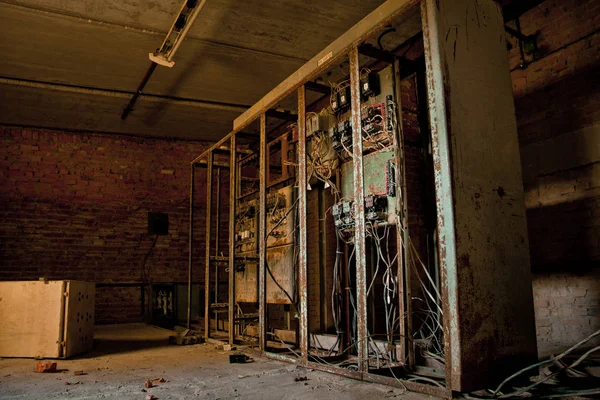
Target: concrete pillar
pixel 483 246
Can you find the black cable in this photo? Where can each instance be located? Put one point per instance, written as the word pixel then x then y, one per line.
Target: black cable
pixel 389 29
pixel 289 210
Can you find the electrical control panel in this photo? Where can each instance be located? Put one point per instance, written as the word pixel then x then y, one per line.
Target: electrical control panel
pixel 343 214
pixel 369 85
pixel 246 227
pixel 316 123
pixel 380 183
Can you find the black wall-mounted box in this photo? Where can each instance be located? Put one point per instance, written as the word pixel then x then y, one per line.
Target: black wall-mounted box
pixel 158 223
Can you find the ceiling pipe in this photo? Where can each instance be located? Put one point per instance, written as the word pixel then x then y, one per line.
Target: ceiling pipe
pixel 164 54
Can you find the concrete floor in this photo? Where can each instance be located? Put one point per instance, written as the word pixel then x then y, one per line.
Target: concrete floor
pixel 125 356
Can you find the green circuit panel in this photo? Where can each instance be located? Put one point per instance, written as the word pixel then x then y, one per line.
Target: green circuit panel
pixel 379 179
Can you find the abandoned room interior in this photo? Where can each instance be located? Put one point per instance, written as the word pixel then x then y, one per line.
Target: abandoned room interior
pixel 300 199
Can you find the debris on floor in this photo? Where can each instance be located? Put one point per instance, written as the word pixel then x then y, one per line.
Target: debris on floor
pixel 239 359
pixel 45 366
pixel 151 397
pixel 186 337
pixel 79 373
pixel 228 347
pixel 148 384
pixel 300 379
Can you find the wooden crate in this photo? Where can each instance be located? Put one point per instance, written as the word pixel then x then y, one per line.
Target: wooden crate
pixel 48 319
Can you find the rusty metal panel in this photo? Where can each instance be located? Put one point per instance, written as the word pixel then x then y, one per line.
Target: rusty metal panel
pixel 247 281
pixel 375 178
pixel 483 245
pixel 281 264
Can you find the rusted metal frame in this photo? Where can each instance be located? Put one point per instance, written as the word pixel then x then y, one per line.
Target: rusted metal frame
pixel 302 185
pixel 410 385
pixel 190 245
pixel 373 23
pixel 262 232
pixel 284 157
pixel 359 214
pixel 233 183
pixel 268 162
pixel 203 163
pixel 369 377
pixel 404 298
pixel 218 144
pixel 208 224
pixel 217 231
pixel 282 357
pixel 433 41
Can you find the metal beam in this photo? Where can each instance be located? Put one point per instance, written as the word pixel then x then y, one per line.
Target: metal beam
pixel 122 94
pixel 368 26
pixel 359 215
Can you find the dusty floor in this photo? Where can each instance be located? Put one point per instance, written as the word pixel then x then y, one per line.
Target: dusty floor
pixel 125 356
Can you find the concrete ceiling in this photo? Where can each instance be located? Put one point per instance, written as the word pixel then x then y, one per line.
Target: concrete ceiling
pixel 74 64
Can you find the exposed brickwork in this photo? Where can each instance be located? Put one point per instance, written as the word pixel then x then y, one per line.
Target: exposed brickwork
pixel 558 113
pixel 74 206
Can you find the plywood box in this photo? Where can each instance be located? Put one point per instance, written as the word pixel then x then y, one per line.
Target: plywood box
pixel 49 319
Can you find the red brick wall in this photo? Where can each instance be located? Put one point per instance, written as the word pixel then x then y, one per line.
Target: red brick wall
pixel 74 206
pixel 557 99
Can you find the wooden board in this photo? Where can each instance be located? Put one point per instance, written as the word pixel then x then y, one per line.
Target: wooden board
pixel 31 318
pixel 36 317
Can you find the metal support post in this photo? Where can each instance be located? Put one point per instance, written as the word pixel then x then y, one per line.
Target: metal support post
pixel 232 209
pixel 208 223
pixel 190 247
pixel 359 216
pixel 302 185
pixel 262 239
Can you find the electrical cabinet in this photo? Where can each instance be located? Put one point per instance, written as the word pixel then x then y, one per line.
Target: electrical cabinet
pixel 48 319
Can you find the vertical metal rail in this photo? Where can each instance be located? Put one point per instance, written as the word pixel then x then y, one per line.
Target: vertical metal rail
pixel 232 209
pixel 208 223
pixel 217 234
pixel 406 349
pixel 359 217
pixel 302 267
pixel 262 239
pixel 190 246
